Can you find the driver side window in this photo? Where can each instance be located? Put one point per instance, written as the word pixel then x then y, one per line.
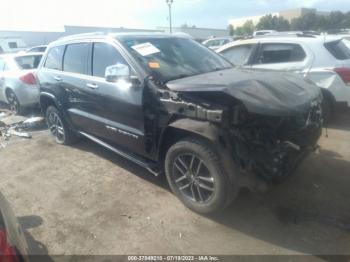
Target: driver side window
pixel 105 55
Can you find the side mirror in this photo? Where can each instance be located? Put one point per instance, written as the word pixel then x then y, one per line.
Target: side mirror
pixel 115 72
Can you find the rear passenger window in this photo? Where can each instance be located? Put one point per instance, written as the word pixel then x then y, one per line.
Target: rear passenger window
pixel 105 55
pixel 281 53
pixel 339 49
pixel 76 58
pixel 54 58
pixel 238 55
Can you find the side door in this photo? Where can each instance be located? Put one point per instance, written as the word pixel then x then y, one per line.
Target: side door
pixel 75 71
pixel 281 56
pixel 240 55
pixel 114 110
pixel 50 74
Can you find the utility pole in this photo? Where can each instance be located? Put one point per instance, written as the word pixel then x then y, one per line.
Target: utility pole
pixel 170 2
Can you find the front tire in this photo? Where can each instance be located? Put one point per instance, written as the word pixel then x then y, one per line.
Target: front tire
pixel 58 127
pixel 197 177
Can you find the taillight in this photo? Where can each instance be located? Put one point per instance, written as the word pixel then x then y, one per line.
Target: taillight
pixel 7 252
pixel 344 73
pixel 28 79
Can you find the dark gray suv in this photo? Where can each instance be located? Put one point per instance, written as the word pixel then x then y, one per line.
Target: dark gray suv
pixel 171 105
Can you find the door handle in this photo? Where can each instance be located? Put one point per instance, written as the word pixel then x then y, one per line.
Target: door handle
pixel 92 85
pixel 57 78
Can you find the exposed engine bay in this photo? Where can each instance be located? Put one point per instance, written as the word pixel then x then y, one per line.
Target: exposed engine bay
pixel 266 144
pixel 271 146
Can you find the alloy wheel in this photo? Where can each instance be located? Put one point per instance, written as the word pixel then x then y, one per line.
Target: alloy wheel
pixel 13 102
pixel 192 178
pixel 56 128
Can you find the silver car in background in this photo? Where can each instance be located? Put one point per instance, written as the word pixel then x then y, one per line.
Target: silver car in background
pixel 18 84
pixel 215 43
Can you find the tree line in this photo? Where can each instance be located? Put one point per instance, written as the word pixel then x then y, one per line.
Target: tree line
pixel 308 22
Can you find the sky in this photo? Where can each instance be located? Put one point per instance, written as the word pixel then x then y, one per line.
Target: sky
pixel 53 14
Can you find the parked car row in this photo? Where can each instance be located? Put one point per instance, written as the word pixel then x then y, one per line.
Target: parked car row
pixel 172 106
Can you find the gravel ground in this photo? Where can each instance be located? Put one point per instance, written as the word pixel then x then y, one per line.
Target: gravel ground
pixel 85 200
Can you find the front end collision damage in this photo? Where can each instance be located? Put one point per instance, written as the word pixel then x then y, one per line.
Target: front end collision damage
pixel 264 146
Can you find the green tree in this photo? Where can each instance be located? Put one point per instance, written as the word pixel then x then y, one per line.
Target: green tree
pixel 248 27
pixel 308 21
pixel 346 22
pixel 336 20
pixel 231 30
pixel 318 22
pixel 265 23
pixel 239 30
pixel 269 22
pixel 281 24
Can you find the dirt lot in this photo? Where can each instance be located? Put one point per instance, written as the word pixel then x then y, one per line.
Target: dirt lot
pixel 86 200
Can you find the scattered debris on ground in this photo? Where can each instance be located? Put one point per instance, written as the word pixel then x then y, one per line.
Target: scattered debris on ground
pixel 12 125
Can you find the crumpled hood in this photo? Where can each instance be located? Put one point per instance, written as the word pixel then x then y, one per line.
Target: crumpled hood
pixel 261 91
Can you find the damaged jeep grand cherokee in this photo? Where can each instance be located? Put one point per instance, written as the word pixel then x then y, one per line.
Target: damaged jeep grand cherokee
pixel 171 105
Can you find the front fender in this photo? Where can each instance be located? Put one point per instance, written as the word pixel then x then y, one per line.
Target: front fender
pixel 202 128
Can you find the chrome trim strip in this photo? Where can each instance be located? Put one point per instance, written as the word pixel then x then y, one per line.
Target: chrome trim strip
pixel 121 153
pixel 107 122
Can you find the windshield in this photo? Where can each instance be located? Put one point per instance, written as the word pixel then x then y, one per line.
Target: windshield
pixel 173 58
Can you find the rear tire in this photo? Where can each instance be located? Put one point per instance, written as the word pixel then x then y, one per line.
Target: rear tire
pixel 59 127
pixel 14 103
pixel 197 177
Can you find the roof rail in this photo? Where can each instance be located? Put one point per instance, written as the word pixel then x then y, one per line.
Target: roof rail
pixel 83 35
pixel 282 34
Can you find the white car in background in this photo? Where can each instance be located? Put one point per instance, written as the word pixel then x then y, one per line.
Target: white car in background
pixel 18 84
pixel 215 43
pixel 325 60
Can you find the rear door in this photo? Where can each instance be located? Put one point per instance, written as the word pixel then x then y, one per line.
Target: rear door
pixel 75 71
pixel 281 56
pixel 50 74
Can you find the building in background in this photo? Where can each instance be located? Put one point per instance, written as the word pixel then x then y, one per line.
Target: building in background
pixel 197 32
pixel 286 14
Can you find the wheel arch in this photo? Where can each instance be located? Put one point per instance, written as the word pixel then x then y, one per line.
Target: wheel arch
pixel 182 128
pixel 47 100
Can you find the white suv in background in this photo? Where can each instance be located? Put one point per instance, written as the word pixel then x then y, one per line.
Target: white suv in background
pixel 324 60
pixel 215 43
